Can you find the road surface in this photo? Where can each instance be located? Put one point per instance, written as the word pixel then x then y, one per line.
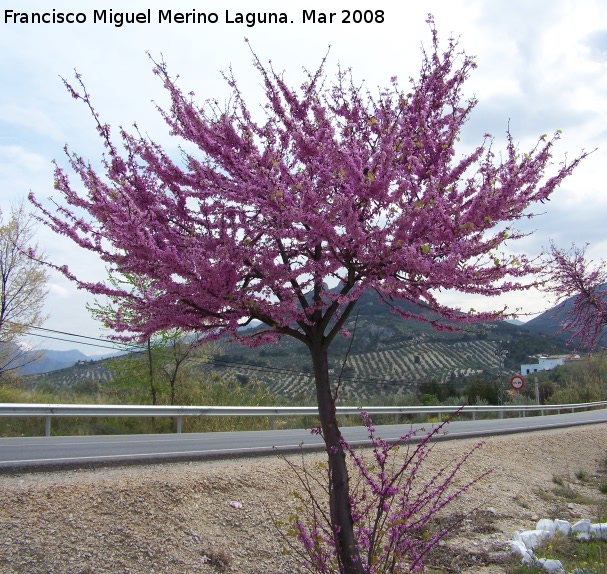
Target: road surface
pixel 45 453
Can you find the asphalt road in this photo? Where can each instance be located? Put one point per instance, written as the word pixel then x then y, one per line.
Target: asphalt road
pixel 47 453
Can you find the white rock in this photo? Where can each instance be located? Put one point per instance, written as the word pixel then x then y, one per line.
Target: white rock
pixel 563 527
pixel 547 525
pixel 525 541
pixel 581 529
pixel 519 548
pixel 583 537
pixel 550 565
pixel 531 538
pixel 599 531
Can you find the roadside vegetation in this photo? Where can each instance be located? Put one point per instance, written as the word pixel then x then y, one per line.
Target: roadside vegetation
pixel 209 391
pixel 574 382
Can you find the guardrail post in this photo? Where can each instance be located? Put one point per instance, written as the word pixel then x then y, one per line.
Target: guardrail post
pixel 179 423
pixel 343 420
pixel 473 415
pixel 440 417
pixel 272 422
pixel 501 414
pixel 47 426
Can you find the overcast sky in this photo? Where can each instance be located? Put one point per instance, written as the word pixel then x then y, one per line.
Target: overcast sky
pixel 542 66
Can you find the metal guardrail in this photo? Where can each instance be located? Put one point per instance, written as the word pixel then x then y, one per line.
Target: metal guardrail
pixel 178 412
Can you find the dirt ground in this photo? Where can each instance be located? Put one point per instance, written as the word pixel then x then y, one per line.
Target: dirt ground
pixel 178 518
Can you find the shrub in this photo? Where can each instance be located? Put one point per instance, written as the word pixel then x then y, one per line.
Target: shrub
pixel 391 506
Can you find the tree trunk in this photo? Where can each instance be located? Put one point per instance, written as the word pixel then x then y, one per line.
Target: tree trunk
pixel 340 510
pixel 172 391
pixel 151 373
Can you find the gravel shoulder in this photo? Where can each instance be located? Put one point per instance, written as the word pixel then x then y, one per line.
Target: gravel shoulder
pixel 176 518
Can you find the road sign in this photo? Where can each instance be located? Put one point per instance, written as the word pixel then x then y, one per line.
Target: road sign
pixel 517 382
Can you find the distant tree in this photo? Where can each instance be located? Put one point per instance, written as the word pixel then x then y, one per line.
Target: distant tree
pixel 159 366
pixel 545 389
pixel 22 288
pixel 442 391
pixel 570 275
pixel 482 389
pixel 289 220
pixel 158 372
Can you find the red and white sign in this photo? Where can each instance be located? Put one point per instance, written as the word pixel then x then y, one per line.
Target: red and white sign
pixel 517 382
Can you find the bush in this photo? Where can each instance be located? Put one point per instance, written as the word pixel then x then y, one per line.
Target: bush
pixel 392 508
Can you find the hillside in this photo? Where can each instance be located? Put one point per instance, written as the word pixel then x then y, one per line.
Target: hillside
pixel 82 375
pixel 388 356
pixel 390 368
pixel 549 322
pixel 47 360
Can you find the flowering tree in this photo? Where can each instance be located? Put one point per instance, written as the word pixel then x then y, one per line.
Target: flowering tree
pixel 290 218
pixel 570 275
pixel 22 288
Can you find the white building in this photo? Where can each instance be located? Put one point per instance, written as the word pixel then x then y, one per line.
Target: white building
pixel 545 364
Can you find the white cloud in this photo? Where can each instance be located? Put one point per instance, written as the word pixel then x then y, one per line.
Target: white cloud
pixel 60 291
pixel 32 119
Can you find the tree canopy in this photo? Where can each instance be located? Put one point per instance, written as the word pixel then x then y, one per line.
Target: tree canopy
pixel 337 186
pixel 22 288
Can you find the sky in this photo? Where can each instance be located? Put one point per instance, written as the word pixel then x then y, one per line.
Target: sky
pixel 542 66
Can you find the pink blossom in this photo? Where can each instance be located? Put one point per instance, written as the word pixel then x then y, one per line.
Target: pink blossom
pixel 571 276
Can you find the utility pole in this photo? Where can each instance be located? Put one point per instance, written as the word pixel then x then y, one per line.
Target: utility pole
pixel 501 353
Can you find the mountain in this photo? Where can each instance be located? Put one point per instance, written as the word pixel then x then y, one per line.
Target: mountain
pixel 51 361
pixel 44 360
pixel 549 323
pixel 386 355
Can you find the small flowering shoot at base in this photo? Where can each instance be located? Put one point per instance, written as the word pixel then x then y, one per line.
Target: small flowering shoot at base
pixel 395 501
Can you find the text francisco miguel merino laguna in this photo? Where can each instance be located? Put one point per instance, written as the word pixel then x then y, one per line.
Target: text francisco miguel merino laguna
pixel 250 19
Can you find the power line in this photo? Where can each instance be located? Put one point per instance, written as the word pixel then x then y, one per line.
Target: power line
pixel 214 360
pixel 135 345
pixel 72 341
